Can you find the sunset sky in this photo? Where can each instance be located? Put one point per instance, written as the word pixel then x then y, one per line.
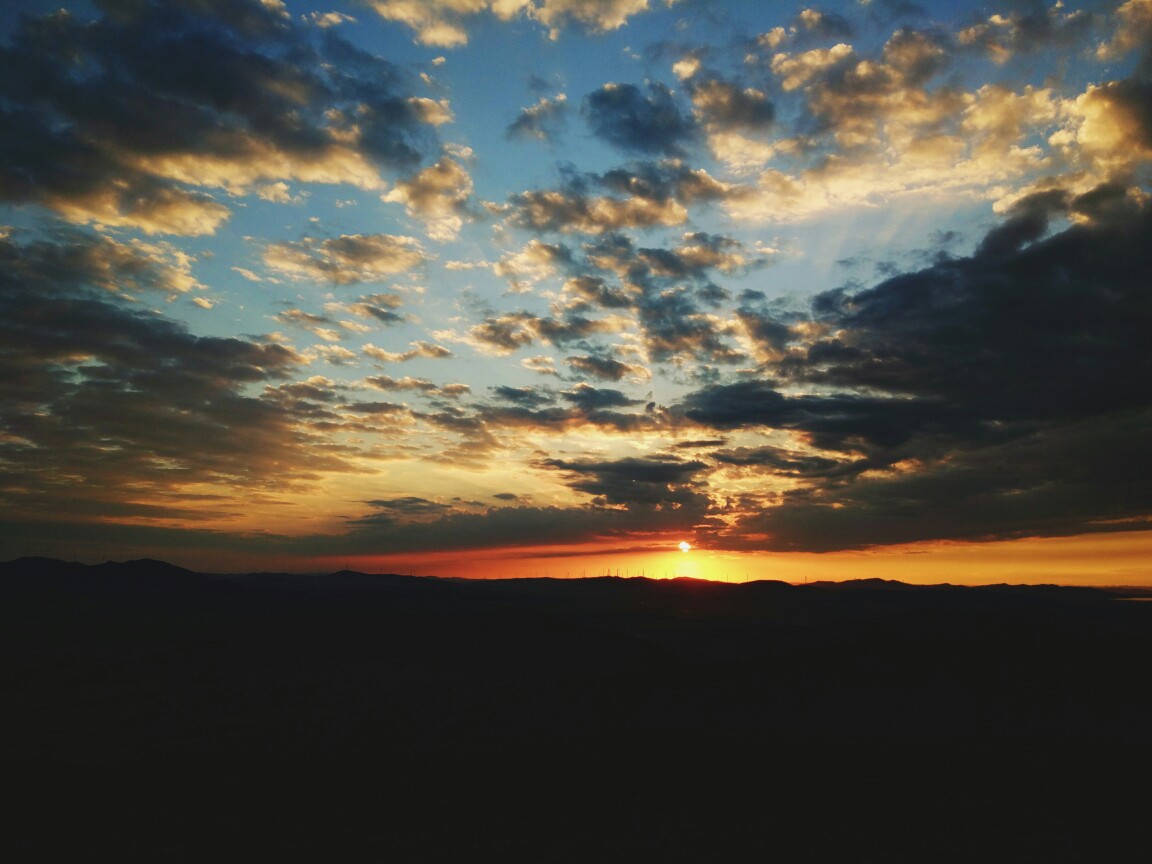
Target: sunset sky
pixel 547 287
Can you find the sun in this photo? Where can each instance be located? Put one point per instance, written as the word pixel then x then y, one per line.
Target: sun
pixel 685 545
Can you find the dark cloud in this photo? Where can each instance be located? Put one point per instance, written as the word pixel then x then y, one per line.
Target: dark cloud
pixel 604 368
pixel 824 25
pixel 376 408
pixel 788 463
pixel 505 333
pixel 700 444
pixel 668 290
pixel 647 121
pixel 725 105
pixel 667 179
pixel 1048 331
pixel 543 121
pixel 851 98
pixel 673 329
pixel 1003 394
pixel 408 508
pixel 643 195
pixel 1028 221
pixel 656 482
pixel 1071 479
pixel 131 119
pixel 526 397
pixel 1033 28
pixel 589 398
pixel 105 401
pixel 844 422
pixel 379 307
pixel 770 335
pixel 509 526
pixel 596 291
pixel 555 419
pixel 514 330
pixel 347 259
pixel 387 382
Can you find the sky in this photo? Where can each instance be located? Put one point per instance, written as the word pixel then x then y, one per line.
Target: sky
pixel 548 287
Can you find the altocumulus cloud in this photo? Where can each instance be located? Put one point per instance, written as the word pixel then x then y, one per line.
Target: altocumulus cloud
pixel 138 118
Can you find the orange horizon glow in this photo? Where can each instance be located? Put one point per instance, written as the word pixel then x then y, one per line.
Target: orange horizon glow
pixel 1116 559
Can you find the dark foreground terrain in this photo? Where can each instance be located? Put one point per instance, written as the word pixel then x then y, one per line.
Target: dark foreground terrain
pixel 152 713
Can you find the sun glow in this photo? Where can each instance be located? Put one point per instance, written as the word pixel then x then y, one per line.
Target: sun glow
pixel 685 546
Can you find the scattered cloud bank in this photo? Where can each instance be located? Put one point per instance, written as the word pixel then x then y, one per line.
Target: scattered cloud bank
pixel 633 332
pixel 153 115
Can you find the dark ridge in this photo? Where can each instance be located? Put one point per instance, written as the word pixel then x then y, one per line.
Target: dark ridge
pixel 162 714
pixel 41 566
pixel 873 584
pixel 143 568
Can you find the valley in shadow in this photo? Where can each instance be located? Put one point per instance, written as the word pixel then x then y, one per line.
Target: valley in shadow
pixel 149 710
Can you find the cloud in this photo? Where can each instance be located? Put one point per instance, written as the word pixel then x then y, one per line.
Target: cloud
pixel 1004 394
pixel 541 365
pixel 377 408
pixel 667 289
pixel 438 195
pixel 1133 26
pixel 1108 134
pixel 418 385
pixel 1003 36
pixel 278 193
pixel 526 397
pixel 998 492
pixel 542 121
pixel 117 267
pixel 321 325
pixel 659 482
pixel 644 194
pixel 138 118
pixel 589 398
pixel 534 263
pixel 892 124
pixel 648 122
pixel 347 259
pixel 590 408
pixel 607 368
pixel 379 307
pixel 825 25
pixel 508 526
pixel 503 334
pixel 111 411
pixel 788 463
pixel 722 106
pixel 444 23
pixel 330 19
pixel 408 508
pixel 661 297
pixel 597 16
pixel 418 349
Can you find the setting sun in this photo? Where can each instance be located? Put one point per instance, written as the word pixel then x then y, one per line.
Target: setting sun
pixel 540 317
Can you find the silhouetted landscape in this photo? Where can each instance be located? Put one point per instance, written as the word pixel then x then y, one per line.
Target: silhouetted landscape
pixel 149 710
